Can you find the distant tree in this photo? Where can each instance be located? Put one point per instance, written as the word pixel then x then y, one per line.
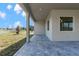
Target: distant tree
pixel 7 28
pixel 31 28
pixel 17 29
pixel 23 28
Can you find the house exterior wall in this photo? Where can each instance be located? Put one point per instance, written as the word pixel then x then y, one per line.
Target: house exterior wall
pixel 48 32
pixel 39 27
pixel 54 33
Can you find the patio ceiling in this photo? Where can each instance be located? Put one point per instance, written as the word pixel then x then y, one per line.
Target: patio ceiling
pixel 40 11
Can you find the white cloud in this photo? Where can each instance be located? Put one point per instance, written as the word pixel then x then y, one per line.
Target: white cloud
pixel 23 14
pixel 9 7
pixel 17 9
pixel 17 23
pixel 2 14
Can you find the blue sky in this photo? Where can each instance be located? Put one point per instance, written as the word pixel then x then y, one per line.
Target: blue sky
pixel 12 15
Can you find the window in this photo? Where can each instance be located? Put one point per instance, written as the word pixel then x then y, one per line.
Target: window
pixel 48 25
pixel 66 23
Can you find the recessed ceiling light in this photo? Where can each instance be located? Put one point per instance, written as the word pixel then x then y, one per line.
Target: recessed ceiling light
pixel 40 9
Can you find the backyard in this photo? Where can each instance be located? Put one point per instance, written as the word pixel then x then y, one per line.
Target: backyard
pixel 10 42
pixel 13 28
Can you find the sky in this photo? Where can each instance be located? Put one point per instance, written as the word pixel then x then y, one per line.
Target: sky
pixel 12 15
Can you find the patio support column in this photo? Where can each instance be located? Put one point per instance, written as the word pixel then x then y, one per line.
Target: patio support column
pixel 28 27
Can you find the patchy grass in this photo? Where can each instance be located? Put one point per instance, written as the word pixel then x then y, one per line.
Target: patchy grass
pixel 10 42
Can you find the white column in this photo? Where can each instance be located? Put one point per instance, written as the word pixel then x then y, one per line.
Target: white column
pixel 28 28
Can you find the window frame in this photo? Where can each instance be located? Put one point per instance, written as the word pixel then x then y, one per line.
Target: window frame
pixel 48 25
pixel 62 22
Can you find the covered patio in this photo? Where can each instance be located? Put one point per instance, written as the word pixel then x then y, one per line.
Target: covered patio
pixel 42 43
pixel 42 46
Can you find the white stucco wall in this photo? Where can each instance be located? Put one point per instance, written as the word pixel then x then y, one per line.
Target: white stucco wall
pixel 48 32
pixel 55 34
pixel 39 27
